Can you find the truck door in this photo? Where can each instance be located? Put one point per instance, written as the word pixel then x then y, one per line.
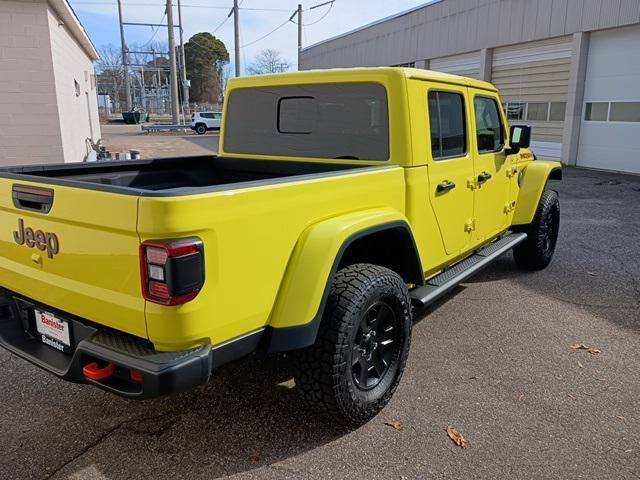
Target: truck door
pixel 451 166
pixel 491 166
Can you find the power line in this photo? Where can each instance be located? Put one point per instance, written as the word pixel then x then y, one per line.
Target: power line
pixel 321 18
pixel 266 35
pixel 220 25
pixel 154 31
pixel 212 7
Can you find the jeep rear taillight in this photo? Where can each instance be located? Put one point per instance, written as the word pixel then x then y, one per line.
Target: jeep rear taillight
pixel 172 270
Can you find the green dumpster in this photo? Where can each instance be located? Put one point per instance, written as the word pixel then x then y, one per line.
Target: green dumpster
pixel 136 116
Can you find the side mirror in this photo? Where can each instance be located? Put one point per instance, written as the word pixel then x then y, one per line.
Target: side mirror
pixel 520 137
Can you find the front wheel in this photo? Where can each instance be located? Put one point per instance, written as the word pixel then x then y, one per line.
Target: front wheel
pixel 536 252
pixel 353 369
pixel 201 129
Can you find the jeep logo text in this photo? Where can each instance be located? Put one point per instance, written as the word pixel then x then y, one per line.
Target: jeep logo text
pixel 41 240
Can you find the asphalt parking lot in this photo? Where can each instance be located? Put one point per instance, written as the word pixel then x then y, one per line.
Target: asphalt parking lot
pixel 493 359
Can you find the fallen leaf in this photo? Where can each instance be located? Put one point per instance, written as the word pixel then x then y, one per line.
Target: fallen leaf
pixel 457 437
pixel 593 274
pixel 628 451
pixel 579 364
pixel 582 346
pixel 620 417
pixel 394 424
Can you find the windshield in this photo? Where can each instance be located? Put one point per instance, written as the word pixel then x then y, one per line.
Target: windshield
pixel 348 121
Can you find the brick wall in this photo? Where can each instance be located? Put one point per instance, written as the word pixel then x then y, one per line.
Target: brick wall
pixel 29 119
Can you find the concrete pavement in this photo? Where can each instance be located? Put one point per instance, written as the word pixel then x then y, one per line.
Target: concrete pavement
pixel 493 359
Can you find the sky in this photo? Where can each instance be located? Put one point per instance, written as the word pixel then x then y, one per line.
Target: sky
pixel 257 19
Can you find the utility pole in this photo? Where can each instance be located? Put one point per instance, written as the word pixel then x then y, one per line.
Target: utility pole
pixel 236 34
pixel 299 33
pixel 298 12
pixel 172 65
pixel 185 87
pixel 125 59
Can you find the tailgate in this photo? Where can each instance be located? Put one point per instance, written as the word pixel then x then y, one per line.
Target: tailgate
pixel 80 257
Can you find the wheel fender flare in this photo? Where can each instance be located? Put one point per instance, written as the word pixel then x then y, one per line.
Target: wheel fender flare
pixel 533 181
pixel 296 315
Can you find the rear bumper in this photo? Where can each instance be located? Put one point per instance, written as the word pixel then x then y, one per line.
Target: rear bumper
pixel 161 372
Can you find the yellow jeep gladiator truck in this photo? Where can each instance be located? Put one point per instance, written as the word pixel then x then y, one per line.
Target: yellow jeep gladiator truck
pixel 341 202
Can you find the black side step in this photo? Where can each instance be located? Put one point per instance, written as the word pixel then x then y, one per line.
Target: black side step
pixel 458 273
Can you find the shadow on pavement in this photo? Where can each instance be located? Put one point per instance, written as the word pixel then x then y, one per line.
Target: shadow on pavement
pixel 248 416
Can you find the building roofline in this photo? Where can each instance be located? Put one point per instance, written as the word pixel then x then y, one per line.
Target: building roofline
pixel 373 24
pixel 72 22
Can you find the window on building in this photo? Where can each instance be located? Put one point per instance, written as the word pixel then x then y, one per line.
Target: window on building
pixel 447 121
pixel 537 111
pixel 489 129
pixel 596 112
pixel 557 111
pixel 77 87
pixel 625 112
pixel 515 111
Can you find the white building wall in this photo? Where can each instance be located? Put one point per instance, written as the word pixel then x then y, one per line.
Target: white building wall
pixel 29 120
pixel 77 107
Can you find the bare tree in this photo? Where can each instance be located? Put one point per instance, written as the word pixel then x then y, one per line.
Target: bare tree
pixel 268 61
pixel 110 73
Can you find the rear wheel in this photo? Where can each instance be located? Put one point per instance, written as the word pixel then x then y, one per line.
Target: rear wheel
pixel 353 369
pixel 201 129
pixel 536 252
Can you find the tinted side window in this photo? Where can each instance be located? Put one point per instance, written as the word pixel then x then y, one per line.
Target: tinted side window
pixel 489 129
pixel 448 133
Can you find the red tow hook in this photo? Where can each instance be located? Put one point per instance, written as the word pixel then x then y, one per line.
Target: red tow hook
pixel 93 371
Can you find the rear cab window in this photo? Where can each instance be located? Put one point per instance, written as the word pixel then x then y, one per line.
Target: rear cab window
pixel 332 121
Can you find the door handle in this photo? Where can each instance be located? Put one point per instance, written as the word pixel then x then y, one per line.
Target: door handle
pixel 445 186
pixel 484 177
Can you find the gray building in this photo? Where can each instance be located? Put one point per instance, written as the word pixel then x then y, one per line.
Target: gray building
pixel 568 68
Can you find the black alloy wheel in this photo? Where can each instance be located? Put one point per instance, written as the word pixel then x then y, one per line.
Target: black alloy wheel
pixel 375 346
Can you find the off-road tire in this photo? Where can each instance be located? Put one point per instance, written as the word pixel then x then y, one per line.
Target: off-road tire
pixel 536 252
pixel 201 129
pixel 325 371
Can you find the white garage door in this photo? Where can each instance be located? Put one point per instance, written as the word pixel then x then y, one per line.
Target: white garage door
pixel 466 65
pixel 610 131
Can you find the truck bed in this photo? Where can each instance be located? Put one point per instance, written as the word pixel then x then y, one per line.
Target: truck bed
pixel 171 176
